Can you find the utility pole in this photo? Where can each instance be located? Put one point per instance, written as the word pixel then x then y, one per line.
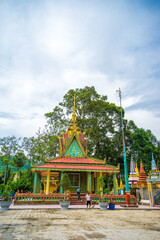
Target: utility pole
pixel 124 147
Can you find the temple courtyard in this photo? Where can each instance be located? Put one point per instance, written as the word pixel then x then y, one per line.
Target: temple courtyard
pixel 79 224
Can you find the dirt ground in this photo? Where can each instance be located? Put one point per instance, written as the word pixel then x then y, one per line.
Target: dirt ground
pixel 79 224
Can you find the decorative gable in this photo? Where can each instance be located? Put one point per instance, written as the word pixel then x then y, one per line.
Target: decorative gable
pixel 73 143
pixel 74 150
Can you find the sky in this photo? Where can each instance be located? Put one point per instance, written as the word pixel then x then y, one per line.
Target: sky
pixel 49 47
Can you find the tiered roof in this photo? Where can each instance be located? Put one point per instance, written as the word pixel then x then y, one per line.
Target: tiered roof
pixel 142 175
pixel 154 173
pixel 73 153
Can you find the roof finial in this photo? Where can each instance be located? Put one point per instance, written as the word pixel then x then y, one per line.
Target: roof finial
pixel 73 124
pixel 153 164
pixel 74 110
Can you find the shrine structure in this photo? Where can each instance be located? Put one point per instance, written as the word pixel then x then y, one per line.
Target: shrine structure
pixel 83 171
pixel 141 183
pixel 153 183
pixel 134 175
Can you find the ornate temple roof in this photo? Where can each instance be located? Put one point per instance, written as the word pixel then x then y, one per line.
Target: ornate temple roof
pixel 154 173
pixel 76 161
pixel 142 174
pixel 73 153
pixel 77 167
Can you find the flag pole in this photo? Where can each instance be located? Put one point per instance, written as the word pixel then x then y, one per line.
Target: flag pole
pixel 124 147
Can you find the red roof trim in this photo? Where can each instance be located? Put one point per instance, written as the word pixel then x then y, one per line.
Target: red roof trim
pixel 50 166
pixel 75 160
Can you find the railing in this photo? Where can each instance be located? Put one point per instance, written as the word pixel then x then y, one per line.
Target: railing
pixel 115 199
pixel 54 198
pixel 157 197
pixel 30 198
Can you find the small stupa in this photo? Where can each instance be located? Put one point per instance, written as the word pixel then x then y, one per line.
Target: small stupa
pixel 153 175
pixel 133 177
pixel 142 176
pixel 137 171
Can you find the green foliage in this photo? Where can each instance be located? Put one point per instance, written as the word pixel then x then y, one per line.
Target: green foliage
pixel 106 191
pixel 102 122
pixel 98 192
pixel 65 183
pixel 9 147
pixel 144 144
pixel 6 190
pixel 10 175
pixel 101 184
pixel 103 200
pixel 96 115
pixel 25 182
pixel 1 176
pixel 19 160
pixel 44 144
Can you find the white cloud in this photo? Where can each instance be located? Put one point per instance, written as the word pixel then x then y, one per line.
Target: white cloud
pixel 47 48
pixel 145 119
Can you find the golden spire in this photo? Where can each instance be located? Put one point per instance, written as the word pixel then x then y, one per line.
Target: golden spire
pixel 137 171
pixel 74 111
pixel 73 123
pixel 121 184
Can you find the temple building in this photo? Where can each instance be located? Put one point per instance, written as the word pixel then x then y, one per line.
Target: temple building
pixel 83 171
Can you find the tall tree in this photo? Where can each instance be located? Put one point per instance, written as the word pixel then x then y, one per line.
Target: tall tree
pixel 19 160
pixel 142 144
pixel 9 147
pixel 94 113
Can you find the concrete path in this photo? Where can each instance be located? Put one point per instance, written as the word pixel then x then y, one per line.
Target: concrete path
pixel 79 224
pixel 50 206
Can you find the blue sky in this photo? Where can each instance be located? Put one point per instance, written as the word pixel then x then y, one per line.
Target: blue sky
pixel 49 47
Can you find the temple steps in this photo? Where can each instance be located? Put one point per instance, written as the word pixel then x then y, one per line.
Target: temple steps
pixel 74 199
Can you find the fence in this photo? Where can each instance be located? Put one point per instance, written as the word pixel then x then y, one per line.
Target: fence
pixel 30 198
pixel 114 199
pixel 54 198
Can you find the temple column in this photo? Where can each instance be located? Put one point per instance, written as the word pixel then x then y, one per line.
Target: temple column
pixel 61 188
pixel 114 184
pixel 150 194
pixel 38 183
pixel 95 182
pixel 89 181
pixel 35 182
pixel 92 182
pixel 48 182
pixel 44 186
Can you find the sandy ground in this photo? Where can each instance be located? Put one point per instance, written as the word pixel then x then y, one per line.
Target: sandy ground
pixel 79 224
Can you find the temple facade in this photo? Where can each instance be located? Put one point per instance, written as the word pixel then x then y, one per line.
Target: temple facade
pixel 83 171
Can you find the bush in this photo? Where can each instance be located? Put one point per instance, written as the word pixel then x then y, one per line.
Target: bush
pixel 106 191
pixel 65 183
pixel 25 182
pixel 6 190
